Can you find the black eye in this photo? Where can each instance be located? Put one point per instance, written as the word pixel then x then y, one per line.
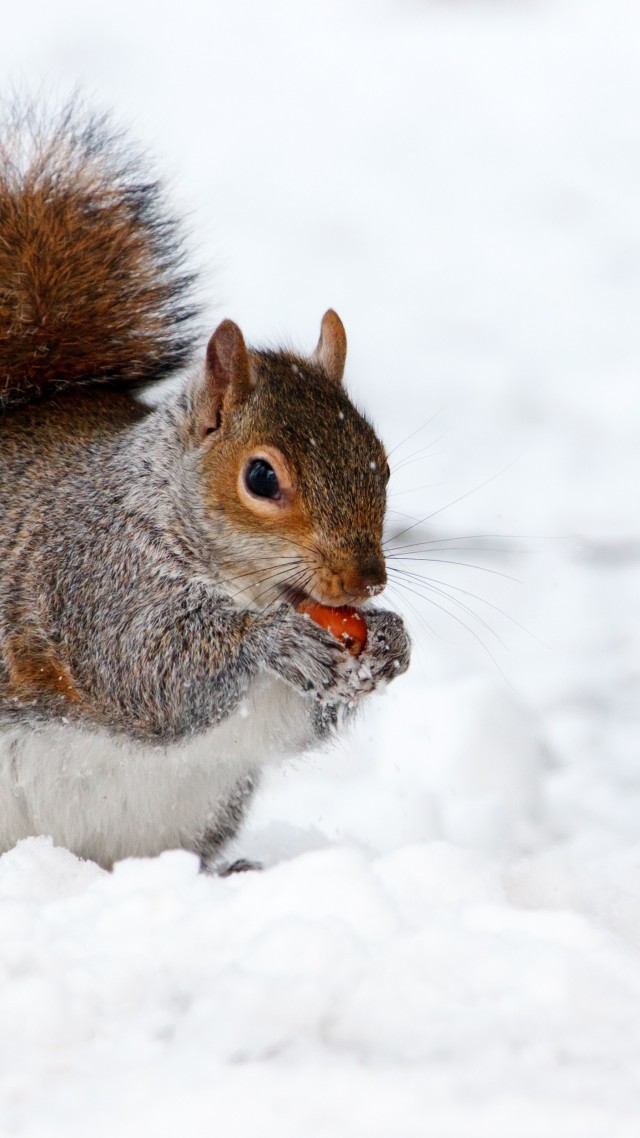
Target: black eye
pixel 261 479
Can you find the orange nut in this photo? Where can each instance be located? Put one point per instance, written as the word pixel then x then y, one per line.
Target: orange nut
pixel 345 623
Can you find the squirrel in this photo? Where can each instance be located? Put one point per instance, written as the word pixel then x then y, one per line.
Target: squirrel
pixel 153 553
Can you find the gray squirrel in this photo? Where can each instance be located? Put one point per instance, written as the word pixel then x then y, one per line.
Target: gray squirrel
pixel 152 558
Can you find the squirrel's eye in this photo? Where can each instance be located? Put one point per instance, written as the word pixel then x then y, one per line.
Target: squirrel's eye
pixel 261 479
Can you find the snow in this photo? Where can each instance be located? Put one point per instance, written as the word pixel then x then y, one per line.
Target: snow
pixel 446 936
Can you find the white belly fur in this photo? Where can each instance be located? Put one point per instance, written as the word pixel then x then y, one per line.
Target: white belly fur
pixel 106 799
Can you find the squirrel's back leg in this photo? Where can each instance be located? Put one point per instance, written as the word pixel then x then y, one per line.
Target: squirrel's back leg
pixel 230 816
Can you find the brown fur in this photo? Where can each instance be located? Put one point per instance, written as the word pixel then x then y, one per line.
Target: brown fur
pixel 35 673
pixel 91 280
pixel 125 530
pixel 331 352
pixel 340 470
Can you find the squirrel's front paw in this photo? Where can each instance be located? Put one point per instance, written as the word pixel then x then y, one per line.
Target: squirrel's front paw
pixel 386 654
pixel 314 662
pixel 388 644
pixel 307 657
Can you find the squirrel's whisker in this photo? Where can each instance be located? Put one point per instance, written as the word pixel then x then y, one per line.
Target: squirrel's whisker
pixel 440 588
pixel 277 573
pixel 461 564
pixel 460 498
pixel 476 596
pixel 415 610
pixel 413 434
pixel 429 600
pixel 414 489
pixel 418 456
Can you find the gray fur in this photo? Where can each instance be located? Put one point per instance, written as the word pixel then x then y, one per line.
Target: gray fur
pixel 152 660
pixel 110 565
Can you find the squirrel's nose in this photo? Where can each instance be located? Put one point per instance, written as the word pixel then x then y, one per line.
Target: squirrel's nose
pixel 367 577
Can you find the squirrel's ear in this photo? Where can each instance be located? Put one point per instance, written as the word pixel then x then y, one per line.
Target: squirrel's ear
pixel 331 351
pixel 228 378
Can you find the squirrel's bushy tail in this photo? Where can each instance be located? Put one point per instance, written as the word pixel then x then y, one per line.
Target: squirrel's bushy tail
pixel 92 280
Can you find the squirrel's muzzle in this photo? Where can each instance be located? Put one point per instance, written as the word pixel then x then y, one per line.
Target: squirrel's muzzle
pixel 349 579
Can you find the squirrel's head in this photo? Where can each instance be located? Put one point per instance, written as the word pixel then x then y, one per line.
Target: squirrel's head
pixel 294 477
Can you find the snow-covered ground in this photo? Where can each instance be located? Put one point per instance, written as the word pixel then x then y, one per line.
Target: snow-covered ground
pixel 446 939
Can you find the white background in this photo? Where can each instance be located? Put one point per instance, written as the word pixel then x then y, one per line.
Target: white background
pixel 446 939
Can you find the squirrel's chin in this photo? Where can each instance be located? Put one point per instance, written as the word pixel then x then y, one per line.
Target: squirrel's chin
pixel 296 597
